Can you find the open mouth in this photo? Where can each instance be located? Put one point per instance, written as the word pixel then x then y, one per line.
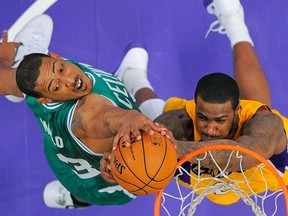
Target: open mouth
pixel 79 86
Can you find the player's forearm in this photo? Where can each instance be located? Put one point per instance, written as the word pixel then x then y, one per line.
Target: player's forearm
pixel 115 118
pixel 97 118
pixel 223 158
pixel 8 84
pixel 123 124
pixel 185 147
pixel 4 64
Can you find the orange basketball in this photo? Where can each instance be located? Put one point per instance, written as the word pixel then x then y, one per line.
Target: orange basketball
pixel 145 167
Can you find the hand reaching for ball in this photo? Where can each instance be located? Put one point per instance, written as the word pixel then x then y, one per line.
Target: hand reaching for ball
pixel 105 168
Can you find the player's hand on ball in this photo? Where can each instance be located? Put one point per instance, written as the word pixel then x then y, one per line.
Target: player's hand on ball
pixel 105 168
pixel 169 135
pixel 166 132
pixel 134 124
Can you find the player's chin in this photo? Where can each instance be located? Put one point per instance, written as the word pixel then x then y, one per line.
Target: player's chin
pixel 80 94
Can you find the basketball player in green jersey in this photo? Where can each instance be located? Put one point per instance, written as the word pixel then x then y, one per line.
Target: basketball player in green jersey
pixel 73 148
pixel 78 131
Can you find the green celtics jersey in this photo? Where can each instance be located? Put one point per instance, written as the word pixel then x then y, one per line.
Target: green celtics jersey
pixel 75 165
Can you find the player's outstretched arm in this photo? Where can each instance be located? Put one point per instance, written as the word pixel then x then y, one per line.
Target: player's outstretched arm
pixel 8 84
pixel 97 122
pixel 7 74
pixel 263 134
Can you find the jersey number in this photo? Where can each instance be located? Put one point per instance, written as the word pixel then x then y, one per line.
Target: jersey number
pixel 81 167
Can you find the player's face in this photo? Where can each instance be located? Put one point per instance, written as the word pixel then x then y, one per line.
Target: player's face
pixel 215 121
pixel 62 81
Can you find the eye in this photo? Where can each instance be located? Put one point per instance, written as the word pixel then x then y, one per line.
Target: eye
pixel 57 86
pixel 220 120
pixel 202 118
pixel 61 68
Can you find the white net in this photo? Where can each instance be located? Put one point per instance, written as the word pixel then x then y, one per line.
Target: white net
pixel 261 188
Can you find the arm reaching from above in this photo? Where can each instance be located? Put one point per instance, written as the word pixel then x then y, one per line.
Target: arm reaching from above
pixel 7 74
pixel 8 51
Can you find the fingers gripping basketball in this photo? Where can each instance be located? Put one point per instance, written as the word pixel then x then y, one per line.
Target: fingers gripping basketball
pixel 145 167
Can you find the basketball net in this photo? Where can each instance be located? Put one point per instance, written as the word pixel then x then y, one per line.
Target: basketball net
pixel 253 186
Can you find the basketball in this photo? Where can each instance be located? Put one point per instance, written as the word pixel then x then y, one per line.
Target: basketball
pixel 146 166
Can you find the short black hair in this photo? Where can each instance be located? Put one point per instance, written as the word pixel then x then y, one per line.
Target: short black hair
pixel 28 72
pixel 218 88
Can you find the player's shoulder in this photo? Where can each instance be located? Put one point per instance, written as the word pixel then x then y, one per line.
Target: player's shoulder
pixel 266 117
pixel 89 101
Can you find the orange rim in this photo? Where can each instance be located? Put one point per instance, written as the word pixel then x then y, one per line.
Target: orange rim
pixel 224 147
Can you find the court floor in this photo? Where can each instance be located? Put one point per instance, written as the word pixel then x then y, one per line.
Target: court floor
pixel 97 32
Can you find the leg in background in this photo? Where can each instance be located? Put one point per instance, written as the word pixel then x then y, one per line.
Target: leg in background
pixel 248 72
pixel 133 73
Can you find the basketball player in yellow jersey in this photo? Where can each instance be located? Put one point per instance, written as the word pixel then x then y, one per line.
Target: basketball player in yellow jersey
pixel 216 116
